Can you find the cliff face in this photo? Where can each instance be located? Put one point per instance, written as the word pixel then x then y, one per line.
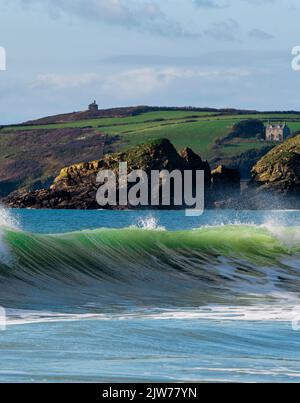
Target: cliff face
pixel 279 170
pixel 76 187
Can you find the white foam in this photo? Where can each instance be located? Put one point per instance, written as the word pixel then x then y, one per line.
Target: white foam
pixel 289 236
pixel 261 313
pixel 257 313
pixel 22 317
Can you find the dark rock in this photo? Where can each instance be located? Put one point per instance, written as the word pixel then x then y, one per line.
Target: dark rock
pixel 225 179
pixel 195 162
pixel 225 187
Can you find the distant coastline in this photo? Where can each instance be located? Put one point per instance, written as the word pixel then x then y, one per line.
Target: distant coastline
pixel 233 142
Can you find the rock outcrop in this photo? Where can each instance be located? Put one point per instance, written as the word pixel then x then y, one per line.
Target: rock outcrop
pixel 225 186
pixel 278 172
pixel 194 162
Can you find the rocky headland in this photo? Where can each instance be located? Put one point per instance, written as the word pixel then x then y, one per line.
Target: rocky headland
pixel 275 179
pixel 75 187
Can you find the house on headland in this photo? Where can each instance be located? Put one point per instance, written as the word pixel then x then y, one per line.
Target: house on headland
pixel 277 132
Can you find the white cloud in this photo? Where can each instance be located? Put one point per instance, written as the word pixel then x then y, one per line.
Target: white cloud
pixel 134 83
pixel 142 15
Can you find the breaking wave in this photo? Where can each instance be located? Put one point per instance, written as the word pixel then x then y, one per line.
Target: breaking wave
pixel 106 271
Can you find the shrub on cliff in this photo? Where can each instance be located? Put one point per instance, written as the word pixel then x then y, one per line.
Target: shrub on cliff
pixel 249 128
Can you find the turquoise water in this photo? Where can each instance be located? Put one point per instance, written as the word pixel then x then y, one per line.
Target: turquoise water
pixel 150 296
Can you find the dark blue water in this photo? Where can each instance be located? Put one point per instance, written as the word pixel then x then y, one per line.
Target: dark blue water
pixel 124 336
pixel 67 221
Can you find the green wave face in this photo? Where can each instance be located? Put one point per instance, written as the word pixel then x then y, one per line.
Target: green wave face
pixel 207 265
pixel 252 243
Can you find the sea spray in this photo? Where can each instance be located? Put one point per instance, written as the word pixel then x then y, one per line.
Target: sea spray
pixel 149 223
pixel 287 235
pixel 7 221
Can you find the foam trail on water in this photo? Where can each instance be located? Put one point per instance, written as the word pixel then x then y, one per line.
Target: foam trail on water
pixel 285 310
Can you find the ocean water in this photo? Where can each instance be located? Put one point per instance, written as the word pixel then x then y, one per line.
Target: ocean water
pixel 149 296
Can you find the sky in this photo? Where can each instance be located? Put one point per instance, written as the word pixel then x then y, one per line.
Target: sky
pixel 63 54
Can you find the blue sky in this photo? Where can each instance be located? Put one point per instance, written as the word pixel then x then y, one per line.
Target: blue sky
pixel 62 54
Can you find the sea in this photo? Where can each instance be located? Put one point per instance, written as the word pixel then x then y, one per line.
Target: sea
pixel 149 296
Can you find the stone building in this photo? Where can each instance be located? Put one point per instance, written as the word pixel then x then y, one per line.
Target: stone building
pixel 93 107
pixel 277 132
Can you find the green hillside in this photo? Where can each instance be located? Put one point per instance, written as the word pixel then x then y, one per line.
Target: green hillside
pixel 198 130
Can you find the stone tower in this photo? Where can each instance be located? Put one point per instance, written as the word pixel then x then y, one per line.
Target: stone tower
pixel 93 107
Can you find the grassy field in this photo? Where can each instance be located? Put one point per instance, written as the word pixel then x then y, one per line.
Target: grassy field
pixel 197 130
pixel 145 118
